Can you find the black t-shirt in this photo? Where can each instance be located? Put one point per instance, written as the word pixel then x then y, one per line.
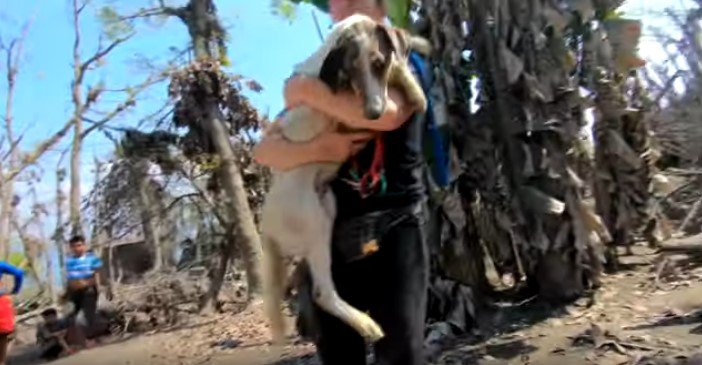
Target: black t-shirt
pixel 403 163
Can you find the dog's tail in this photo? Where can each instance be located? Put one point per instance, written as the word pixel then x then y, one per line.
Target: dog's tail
pixel 274 278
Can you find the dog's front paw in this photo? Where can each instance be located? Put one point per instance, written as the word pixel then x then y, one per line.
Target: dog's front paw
pixel 368 328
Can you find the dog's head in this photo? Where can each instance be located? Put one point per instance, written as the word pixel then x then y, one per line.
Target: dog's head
pixel 361 61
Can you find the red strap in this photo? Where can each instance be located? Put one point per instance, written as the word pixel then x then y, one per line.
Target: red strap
pixel 372 177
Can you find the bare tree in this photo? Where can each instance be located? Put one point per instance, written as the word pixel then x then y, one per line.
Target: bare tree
pixel 30 231
pixel 13 53
pixel 208 94
pixel 60 198
pixel 82 103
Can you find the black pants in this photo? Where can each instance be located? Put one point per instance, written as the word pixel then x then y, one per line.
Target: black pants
pixel 52 351
pixel 391 285
pixel 86 300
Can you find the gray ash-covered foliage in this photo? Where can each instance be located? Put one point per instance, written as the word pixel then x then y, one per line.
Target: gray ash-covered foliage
pixel 114 201
pixel 191 88
pixel 198 83
pixel 155 147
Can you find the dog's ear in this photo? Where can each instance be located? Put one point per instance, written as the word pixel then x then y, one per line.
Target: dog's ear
pixel 393 40
pixel 333 72
pixel 402 42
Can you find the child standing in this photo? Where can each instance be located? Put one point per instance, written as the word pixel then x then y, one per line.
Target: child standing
pixel 83 282
pixel 7 309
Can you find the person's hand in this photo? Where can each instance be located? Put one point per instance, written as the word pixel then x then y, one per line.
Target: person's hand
pixel 338 147
pixel 297 89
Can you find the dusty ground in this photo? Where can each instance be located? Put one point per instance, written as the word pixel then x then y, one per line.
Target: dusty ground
pixel 652 310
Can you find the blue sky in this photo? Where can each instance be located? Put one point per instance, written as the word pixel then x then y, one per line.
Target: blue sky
pixel 263 46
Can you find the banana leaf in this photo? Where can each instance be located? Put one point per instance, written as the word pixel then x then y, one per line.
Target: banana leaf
pixel 624 35
pixel 539 202
pixel 398 12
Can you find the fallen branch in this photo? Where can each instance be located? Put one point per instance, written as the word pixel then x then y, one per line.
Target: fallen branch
pixel 690 248
pixel 29 315
pixel 686 244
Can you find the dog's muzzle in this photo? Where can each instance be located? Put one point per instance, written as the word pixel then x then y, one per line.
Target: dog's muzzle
pixel 375 106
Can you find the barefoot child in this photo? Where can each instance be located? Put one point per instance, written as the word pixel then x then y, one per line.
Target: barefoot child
pixel 82 269
pixel 52 335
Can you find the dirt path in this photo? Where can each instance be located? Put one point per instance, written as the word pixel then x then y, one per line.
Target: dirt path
pixel 629 318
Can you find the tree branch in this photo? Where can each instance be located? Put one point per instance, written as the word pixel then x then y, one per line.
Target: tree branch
pixel 668 85
pixel 79 9
pixel 178 199
pixel 102 53
pixel 161 10
pixel 32 157
pixel 126 104
pixel 213 207
pixel 13 146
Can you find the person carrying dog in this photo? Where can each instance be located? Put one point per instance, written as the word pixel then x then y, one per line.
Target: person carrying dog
pixel 390 280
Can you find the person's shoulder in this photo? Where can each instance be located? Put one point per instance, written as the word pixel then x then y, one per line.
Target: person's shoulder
pixel 94 258
pixel 6 267
pixel 73 258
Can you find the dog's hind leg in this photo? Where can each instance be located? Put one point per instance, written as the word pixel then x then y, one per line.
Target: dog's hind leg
pixel 326 296
pixel 274 279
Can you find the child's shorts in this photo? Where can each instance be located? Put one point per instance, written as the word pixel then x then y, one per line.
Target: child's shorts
pixel 7 315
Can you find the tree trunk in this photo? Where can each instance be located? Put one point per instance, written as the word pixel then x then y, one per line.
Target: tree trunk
pixel 51 277
pixel 6 196
pixel 149 213
pixel 74 195
pixel 77 120
pixel 7 192
pixel 204 28
pixel 31 253
pixel 208 303
pixel 7 189
pixel 59 238
pixel 237 204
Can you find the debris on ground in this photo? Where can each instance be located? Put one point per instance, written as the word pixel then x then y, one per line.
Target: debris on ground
pixel 628 321
pixel 165 300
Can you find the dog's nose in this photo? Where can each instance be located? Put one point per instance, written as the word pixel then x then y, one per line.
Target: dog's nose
pixel 375 106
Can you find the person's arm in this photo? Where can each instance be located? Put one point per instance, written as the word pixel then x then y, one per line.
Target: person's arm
pixel 96 265
pixel 346 106
pixel 16 272
pixel 41 335
pixel 280 154
pixel 58 335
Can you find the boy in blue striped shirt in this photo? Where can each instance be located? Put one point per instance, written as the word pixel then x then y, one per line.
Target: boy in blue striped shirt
pixel 82 271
